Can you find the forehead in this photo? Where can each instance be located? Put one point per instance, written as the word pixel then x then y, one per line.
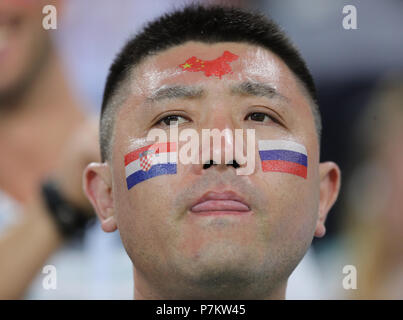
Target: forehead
pixel 253 64
pixel 220 64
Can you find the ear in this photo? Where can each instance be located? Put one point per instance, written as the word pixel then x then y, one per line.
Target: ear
pixel 97 184
pixel 330 177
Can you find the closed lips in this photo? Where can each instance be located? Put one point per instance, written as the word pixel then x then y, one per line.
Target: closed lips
pixel 214 201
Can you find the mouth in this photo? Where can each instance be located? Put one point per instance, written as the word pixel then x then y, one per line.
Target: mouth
pixel 220 203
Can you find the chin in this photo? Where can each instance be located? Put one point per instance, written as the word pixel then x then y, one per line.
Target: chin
pixel 231 283
pixel 228 276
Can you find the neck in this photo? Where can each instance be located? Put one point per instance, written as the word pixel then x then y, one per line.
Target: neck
pixel 143 291
pixel 42 119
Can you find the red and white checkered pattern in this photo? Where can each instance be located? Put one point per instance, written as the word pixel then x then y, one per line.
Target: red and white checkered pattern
pixel 146 162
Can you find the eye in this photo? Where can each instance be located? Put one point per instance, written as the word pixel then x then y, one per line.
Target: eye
pixel 260 117
pixel 171 119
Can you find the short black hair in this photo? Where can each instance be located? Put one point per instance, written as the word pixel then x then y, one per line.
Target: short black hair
pixel 207 24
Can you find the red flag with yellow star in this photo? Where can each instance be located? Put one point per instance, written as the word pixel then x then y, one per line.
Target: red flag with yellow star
pixel 217 67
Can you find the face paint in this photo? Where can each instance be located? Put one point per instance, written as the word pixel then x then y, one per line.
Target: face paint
pixel 217 67
pixel 283 156
pixel 150 161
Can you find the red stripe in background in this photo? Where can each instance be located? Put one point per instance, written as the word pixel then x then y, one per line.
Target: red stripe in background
pixel 285 166
pixel 158 147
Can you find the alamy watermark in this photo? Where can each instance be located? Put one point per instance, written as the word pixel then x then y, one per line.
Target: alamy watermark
pixel 49 281
pixel 350 280
pixel 189 153
pixel 49 21
pixel 350 18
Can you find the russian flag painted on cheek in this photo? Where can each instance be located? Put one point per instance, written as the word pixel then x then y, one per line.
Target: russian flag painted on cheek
pixel 283 156
pixel 150 161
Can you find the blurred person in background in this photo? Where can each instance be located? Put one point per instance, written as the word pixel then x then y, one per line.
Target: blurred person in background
pixel 375 199
pixel 372 237
pixel 43 133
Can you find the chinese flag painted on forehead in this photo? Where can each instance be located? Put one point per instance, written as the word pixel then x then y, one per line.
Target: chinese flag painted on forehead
pixel 283 156
pixel 150 161
pixel 217 67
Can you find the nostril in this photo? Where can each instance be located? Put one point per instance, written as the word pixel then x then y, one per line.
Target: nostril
pixel 208 164
pixel 234 164
pixel 230 163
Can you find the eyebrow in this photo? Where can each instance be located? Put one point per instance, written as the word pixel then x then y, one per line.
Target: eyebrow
pixel 176 92
pixel 258 89
pixel 249 88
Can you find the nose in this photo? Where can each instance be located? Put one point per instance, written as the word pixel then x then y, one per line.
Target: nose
pixel 218 143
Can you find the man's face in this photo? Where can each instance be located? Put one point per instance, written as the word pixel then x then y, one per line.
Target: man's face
pixel 179 251
pixel 23 43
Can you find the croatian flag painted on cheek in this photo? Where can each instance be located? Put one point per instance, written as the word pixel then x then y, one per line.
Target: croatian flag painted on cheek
pixel 150 161
pixel 283 156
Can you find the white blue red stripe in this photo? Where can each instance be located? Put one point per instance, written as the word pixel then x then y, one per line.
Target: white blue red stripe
pixel 283 156
pixel 150 161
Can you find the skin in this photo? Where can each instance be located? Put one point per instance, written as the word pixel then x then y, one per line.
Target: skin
pixel 178 255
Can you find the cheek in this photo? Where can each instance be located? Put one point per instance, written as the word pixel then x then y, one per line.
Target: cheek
pixel 292 207
pixel 143 201
pixel 144 213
